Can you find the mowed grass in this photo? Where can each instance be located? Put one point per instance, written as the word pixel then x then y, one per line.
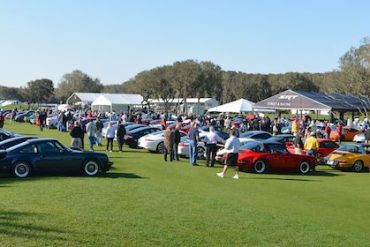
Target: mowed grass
pixel 144 201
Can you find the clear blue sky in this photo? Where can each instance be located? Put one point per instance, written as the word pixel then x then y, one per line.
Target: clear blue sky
pixel 113 40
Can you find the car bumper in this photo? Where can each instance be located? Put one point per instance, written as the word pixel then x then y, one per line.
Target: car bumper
pixel 152 146
pixel 338 165
pixel 183 151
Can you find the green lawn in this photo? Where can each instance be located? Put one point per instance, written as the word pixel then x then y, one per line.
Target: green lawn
pixel 144 201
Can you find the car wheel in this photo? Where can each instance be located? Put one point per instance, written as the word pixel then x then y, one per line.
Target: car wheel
pixel 90 168
pixel 160 147
pixel 259 166
pixel 358 166
pixel 304 167
pixel 201 152
pixel 21 170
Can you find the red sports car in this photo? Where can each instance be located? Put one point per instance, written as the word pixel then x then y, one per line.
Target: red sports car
pixel 262 156
pixel 326 147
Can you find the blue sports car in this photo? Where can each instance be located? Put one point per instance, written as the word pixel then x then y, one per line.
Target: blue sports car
pixel 49 155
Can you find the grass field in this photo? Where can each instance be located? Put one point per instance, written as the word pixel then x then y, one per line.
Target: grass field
pixel 144 201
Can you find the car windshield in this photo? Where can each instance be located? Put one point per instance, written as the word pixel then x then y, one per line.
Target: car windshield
pixel 351 149
pixel 254 146
pixel 247 134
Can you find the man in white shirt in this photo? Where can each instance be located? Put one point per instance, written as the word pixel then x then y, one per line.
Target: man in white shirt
pixel 232 147
pixel 212 140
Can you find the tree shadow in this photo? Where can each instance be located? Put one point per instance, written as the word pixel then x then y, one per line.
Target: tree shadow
pixel 16 224
pixel 312 174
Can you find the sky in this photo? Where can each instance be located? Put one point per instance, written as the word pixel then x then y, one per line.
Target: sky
pixel 113 40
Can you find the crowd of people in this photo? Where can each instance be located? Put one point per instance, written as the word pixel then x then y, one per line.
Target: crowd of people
pixel 305 130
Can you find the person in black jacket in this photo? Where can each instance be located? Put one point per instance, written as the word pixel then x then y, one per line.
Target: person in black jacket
pixel 176 141
pixel 121 132
pixel 77 135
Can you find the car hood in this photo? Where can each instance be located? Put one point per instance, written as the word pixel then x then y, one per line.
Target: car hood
pixel 338 154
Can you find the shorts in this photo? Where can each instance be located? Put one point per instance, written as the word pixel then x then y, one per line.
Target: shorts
pixel 232 159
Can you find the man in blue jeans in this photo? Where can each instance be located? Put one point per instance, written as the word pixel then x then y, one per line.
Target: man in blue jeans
pixel 193 144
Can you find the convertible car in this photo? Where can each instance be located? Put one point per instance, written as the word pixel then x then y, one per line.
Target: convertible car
pixel 262 156
pixel 350 156
pixel 49 155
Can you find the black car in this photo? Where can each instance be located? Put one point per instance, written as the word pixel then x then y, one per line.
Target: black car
pixel 4 135
pixel 14 141
pixel 256 135
pixel 49 155
pixel 132 137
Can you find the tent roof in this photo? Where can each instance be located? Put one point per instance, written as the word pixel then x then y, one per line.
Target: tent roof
pixel 237 106
pixel 118 99
pixel 180 100
pixel 85 97
pixel 290 99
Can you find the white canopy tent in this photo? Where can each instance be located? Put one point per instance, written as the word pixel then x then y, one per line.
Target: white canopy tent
pixel 237 106
pixel 116 102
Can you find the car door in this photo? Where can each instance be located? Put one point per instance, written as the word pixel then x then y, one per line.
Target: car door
pixel 271 156
pixel 52 158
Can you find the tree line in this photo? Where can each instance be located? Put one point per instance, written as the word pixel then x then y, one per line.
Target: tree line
pixel 191 78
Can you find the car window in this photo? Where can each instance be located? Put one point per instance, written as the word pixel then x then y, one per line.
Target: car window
pixel 29 149
pixel 328 145
pixel 47 147
pixel 276 148
pixel 262 136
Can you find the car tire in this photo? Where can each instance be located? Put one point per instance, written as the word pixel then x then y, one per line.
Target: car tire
pixel 21 170
pixel 304 167
pixel 201 152
pixel 358 166
pixel 90 168
pixel 259 166
pixel 160 147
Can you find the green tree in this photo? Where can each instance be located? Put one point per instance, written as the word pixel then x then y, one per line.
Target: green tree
pixel 39 91
pixel 355 69
pixel 77 81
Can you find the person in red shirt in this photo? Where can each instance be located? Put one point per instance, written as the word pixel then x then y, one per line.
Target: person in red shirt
pixel 339 129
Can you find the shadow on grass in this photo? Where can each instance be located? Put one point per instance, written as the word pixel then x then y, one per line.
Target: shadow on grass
pixel 22 225
pixel 304 178
pixel 120 175
pixel 6 179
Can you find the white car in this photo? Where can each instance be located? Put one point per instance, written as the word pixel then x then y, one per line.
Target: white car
pixel 154 141
pixel 359 137
pixel 183 149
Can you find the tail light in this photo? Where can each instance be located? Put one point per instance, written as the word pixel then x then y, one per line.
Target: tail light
pixel 128 137
pixel 183 144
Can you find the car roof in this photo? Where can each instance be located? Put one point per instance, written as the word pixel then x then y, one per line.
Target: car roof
pixel 30 141
pixel 17 138
pixel 142 128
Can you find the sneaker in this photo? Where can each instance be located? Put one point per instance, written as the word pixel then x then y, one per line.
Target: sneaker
pixel 236 177
pixel 220 174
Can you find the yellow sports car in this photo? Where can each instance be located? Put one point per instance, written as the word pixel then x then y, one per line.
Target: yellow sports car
pixel 350 156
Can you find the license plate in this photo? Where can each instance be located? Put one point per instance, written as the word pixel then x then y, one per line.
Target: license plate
pixel 330 162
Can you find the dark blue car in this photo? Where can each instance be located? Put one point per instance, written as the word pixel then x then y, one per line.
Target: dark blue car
pixel 14 141
pixel 49 155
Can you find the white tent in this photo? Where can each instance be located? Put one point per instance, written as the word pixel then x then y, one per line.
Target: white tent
pixel 116 102
pixel 237 106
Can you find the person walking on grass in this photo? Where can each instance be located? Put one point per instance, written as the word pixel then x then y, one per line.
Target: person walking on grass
pixel 76 134
pixel 91 131
pixel 232 147
pixel 176 141
pixel 212 140
pixel 111 132
pixel 168 143
pixel 121 132
pixel 193 143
